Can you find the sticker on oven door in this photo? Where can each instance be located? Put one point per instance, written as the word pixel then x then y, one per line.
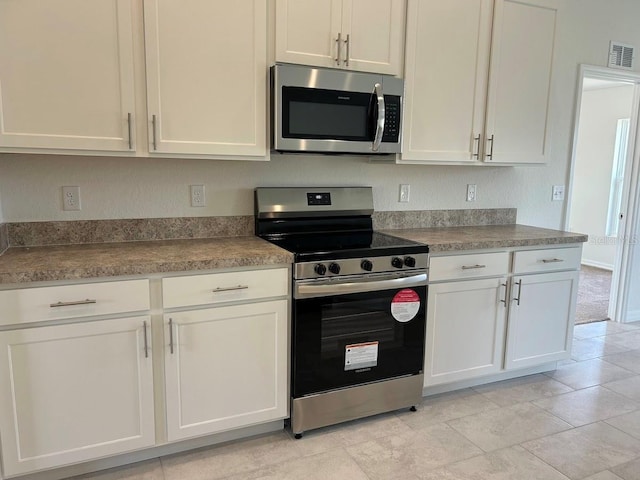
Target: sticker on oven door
pixel 360 355
pixel 405 305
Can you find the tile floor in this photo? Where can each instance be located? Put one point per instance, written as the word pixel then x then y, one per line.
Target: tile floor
pixel 581 421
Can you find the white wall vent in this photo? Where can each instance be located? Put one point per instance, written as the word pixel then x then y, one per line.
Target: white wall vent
pixel 620 55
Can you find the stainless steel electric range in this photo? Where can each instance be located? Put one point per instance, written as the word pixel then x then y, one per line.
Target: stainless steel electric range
pixel 358 309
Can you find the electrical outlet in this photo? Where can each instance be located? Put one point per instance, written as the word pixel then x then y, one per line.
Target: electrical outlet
pixel 197 196
pixel 557 193
pixel 71 198
pixel 404 193
pixel 471 192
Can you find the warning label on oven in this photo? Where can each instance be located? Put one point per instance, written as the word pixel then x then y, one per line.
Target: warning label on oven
pixel 405 305
pixel 361 355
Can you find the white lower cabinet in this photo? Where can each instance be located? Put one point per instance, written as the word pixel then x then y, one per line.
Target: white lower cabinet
pixel 484 317
pixel 541 318
pixel 71 393
pixel 225 367
pixel 465 330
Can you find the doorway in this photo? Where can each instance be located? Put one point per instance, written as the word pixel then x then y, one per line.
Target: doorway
pixel 600 187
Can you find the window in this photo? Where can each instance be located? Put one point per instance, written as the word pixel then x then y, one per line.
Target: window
pixel 617 177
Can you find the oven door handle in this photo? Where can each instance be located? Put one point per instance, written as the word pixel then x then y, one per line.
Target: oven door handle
pixel 311 290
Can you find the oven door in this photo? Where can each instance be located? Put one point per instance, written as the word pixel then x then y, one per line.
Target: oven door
pixel 348 332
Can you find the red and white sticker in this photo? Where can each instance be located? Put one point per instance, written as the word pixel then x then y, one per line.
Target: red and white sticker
pixel 405 305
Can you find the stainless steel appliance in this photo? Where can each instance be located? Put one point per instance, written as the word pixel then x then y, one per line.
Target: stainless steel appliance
pixel 334 111
pixel 358 310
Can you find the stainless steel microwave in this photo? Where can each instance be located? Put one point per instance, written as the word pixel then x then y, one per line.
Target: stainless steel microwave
pixel 335 111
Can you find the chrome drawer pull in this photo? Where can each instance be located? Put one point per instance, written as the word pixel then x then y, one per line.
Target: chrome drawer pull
pixel 171 335
pixel 68 304
pixel 146 341
pixel 552 260
pixel 519 283
pixel 472 267
pixel 229 289
pixel 505 293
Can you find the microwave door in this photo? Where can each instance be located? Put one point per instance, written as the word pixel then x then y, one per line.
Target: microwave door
pixel 379 121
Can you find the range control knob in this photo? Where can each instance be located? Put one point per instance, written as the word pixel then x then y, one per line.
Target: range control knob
pixel 366 265
pixel 320 269
pixel 397 262
pixel 334 268
pixel 410 262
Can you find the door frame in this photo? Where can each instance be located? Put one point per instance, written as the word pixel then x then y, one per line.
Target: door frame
pixel 630 192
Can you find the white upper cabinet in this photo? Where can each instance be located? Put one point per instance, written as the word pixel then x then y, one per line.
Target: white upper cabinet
pixel 519 84
pixel 363 35
pixel 206 76
pixel 447 57
pixel 478 76
pixel 66 75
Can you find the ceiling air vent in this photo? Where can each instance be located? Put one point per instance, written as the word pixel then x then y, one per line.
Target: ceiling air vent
pixel 620 55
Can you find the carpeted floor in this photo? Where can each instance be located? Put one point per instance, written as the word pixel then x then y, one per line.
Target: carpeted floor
pixel 593 294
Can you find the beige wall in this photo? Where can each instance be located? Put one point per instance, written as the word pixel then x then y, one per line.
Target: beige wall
pixel 142 187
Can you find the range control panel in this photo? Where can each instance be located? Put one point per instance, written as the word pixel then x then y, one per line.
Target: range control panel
pixel 360 266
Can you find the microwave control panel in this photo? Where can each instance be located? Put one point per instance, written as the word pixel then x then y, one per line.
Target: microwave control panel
pixel 391 119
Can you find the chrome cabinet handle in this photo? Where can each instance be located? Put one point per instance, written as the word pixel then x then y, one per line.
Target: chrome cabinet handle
pixel 490 154
pixel 229 289
pixel 476 143
pixel 505 293
pixel 348 44
pixel 552 260
pixel 338 47
pixel 146 343
pixel 472 267
pixel 153 124
pixel 377 140
pixel 519 283
pixel 68 304
pixel 171 336
pixel 129 131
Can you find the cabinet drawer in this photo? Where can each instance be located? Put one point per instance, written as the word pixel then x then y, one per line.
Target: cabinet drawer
pixel 72 301
pixel 454 267
pixel 547 260
pixel 224 287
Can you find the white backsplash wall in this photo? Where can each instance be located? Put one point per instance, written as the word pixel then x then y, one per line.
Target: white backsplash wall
pixel 142 187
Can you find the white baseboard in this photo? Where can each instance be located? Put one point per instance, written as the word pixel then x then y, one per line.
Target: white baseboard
pixel 593 263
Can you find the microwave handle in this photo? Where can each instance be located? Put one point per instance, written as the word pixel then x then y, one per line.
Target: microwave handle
pixel 377 140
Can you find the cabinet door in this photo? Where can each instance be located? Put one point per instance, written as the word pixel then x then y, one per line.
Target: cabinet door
pixel 519 83
pixel 447 58
pixel 66 75
pixel 225 368
pixel 74 392
pixel 541 318
pixel 375 30
pixel 465 330
pixel 206 76
pixel 307 32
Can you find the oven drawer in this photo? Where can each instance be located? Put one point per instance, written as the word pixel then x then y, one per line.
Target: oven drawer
pixel 547 260
pixel 224 287
pixel 455 267
pixel 73 301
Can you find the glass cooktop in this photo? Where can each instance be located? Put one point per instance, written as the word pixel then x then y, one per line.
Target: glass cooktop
pixel 323 246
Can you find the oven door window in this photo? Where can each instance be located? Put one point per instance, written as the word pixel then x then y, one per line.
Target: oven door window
pixel 346 340
pixel 326 114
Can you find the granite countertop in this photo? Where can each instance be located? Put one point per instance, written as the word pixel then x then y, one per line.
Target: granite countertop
pixel 66 262
pixel 95 260
pixel 450 239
